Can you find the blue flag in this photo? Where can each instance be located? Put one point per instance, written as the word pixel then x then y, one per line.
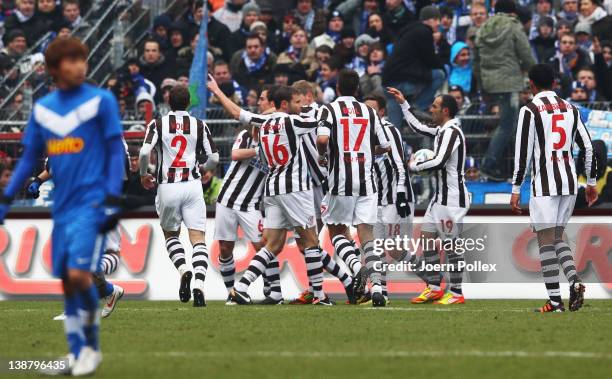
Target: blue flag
pixel 198 73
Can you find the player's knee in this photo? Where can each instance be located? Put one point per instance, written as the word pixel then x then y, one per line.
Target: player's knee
pixel 79 279
pixel 226 249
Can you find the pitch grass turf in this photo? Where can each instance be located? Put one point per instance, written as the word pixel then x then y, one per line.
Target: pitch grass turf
pixel 482 339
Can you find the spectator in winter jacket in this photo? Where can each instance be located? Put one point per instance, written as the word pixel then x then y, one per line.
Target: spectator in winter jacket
pixel 569 11
pixel 371 80
pixel 312 20
pixel 161 24
pixel 25 18
pixel 154 66
pixel 501 55
pixel 378 30
pixel 252 66
pixel 603 67
pixel 396 16
pixel 569 60
pixel 543 45
pixel 329 76
pixel 590 11
pixel 299 56
pixel 231 14
pixel 460 68
pixel 250 15
pixel 413 67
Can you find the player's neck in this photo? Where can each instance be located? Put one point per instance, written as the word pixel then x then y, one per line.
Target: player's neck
pixel 66 88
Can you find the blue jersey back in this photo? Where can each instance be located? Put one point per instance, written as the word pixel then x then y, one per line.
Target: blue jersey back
pixel 73 127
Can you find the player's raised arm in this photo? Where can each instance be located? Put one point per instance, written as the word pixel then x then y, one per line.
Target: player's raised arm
pixel 412 121
pixel 583 139
pixel 33 147
pixel 449 142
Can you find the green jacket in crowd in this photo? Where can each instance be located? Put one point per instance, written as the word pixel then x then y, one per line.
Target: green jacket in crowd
pixel 502 54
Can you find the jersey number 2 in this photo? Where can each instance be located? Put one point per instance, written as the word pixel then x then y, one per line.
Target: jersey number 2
pixel 556 128
pixel 178 160
pixel 363 123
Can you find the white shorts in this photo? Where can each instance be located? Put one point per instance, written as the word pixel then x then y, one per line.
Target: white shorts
pixel 181 202
pixel 551 211
pixel 228 219
pixel 349 210
pixel 113 240
pixel 289 210
pixel 446 221
pixel 317 193
pixel 390 224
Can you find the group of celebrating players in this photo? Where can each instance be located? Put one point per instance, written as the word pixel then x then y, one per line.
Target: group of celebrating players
pixel 298 166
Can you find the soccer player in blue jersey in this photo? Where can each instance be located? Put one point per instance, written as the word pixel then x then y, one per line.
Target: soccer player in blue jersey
pixel 78 127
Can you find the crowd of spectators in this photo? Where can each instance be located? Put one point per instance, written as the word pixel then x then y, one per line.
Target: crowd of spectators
pixel 476 50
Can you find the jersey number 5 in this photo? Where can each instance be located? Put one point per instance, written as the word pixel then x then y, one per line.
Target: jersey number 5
pixel 556 128
pixel 182 142
pixel 279 153
pixel 363 123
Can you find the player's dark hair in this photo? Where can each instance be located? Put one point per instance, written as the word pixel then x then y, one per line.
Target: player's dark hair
pixel 61 48
pixel 179 98
pixel 450 103
pixel 542 76
pixel 348 82
pixel 378 98
pixel 282 93
pixel 270 88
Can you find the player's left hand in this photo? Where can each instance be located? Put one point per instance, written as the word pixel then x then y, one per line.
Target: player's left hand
pixel 34 188
pixel 412 164
pixel 515 200
pixel 147 181
pixel 591 195
pixel 403 208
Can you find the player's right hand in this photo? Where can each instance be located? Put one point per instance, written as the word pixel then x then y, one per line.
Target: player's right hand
pixel 515 200
pixel 591 195
pixel 147 181
pixel 34 188
pixel 211 84
pixel 399 97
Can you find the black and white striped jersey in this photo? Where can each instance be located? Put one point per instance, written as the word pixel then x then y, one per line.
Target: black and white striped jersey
pixel 280 139
pixel 354 129
pixel 547 129
pixel 179 139
pixel 244 180
pixel 448 162
pixel 390 168
pixel 318 174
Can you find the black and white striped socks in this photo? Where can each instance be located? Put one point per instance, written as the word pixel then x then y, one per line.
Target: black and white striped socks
pixel 272 275
pixel 314 270
pixel 550 272
pixel 566 260
pixel 227 267
pixel 256 267
pixel 455 273
pixel 199 261
pixel 346 251
pixel 370 261
pixel 335 269
pixel 176 254
pixel 110 262
pixel 432 278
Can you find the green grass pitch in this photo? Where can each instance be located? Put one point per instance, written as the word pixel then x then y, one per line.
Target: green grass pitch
pixel 482 339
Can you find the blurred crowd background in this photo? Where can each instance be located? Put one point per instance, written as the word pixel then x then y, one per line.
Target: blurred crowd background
pixel 477 51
